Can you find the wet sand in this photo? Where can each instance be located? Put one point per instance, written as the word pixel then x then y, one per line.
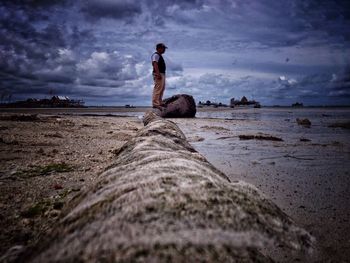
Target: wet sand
pixel 306 174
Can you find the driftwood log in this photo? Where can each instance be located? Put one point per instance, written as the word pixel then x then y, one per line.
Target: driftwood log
pixel 162 201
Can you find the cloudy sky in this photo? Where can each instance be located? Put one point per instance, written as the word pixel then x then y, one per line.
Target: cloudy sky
pixel 276 52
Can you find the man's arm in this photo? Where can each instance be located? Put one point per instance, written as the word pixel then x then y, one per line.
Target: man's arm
pixel 156 70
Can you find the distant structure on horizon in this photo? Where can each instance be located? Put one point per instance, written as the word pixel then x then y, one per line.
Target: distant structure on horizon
pixel 128 106
pixel 297 104
pixel 244 102
pixel 54 102
pixel 212 104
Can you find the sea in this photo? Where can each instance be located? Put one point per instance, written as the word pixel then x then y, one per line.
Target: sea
pixel 238 113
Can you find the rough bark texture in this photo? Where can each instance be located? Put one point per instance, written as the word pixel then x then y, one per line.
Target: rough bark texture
pixel 161 201
pixel 179 106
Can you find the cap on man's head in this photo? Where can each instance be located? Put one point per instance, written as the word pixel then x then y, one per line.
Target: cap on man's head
pixel 161 45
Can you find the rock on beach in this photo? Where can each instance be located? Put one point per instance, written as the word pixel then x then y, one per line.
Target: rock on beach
pixel 178 106
pixel 304 122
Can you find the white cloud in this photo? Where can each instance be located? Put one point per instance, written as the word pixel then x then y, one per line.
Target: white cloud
pixel 283 80
pixel 95 62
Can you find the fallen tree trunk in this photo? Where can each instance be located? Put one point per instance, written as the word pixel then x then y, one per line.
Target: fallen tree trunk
pixel 162 201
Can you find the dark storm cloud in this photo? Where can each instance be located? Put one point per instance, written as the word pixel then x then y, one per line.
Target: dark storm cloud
pixel 23 46
pixel 340 84
pixel 330 16
pixel 116 9
pixel 34 56
pixel 315 87
pixel 33 3
pixel 267 24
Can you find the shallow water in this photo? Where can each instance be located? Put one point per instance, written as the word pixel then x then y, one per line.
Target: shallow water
pixel 268 113
pixel 309 180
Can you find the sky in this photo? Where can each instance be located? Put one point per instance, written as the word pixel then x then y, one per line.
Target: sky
pixel 275 52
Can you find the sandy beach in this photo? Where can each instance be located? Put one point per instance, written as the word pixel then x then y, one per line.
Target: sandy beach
pixel 49 155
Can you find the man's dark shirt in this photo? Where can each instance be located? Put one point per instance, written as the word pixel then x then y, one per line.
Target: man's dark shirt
pixel 161 64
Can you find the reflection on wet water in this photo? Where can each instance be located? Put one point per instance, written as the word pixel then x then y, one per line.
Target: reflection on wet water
pixel 283 114
pixel 263 114
pixel 248 114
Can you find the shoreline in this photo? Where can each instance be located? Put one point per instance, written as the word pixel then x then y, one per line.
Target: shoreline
pixel 146 108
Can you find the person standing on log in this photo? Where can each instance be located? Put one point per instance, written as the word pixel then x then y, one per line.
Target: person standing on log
pixel 159 69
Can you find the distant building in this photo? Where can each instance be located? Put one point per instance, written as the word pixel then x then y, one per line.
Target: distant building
pixel 297 104
pixel 54 102
pixel 244 102
pixel 257 105
pixel 232 103
pixel 208 103
pixel 128 106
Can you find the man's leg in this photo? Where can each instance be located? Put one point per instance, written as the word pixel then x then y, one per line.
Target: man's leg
pixel 156 92
pixel 162 90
